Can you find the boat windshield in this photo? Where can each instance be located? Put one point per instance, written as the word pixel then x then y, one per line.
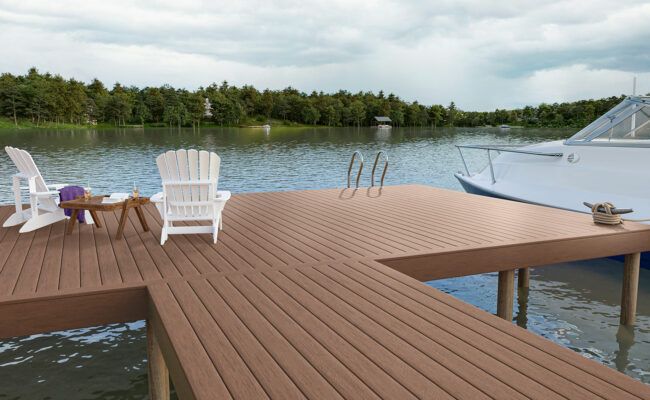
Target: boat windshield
pixel 626 124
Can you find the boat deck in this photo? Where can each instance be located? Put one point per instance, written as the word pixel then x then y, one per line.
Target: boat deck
pixel 317 294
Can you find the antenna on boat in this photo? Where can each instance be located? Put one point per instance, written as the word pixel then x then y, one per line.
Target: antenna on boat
pixel 634 86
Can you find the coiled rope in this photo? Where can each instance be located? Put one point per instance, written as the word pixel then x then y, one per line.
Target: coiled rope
pixel 602 214
pixel 607 213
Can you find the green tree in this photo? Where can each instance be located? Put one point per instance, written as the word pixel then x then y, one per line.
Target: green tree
pixel 451 114
pixel 44 97
pixel 155 102
pixel 357 112
pixel 175 115
pixel 436 115
pixel 310 115
pixel 141 112
pixel 10 96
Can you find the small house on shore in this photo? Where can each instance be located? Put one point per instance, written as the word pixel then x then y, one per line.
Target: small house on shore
pixel 383 122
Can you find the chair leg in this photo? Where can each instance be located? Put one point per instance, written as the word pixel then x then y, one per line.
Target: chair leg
pixel 33 203
pixel 16 218
pixel 163 233
pixel 42 220
pixel 215 233
pixel 17 195
pixel 163 236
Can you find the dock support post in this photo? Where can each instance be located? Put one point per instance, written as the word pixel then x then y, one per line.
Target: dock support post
pixel 630 288
pixel 523 277
pixel 506 294
pixel 158 373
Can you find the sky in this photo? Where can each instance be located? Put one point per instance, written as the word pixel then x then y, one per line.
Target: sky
pixel 480 54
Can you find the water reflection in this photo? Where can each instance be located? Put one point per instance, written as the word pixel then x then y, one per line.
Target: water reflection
pixel 625 340
pixel 522 307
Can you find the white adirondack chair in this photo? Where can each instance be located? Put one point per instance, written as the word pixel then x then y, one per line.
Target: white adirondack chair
pixel 43 199
pixel 189 180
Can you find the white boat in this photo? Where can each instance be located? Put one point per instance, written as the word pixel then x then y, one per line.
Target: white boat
pixel 608 160
pixel 384 126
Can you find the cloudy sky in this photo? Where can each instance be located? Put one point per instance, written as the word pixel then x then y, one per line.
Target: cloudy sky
pixel 480 54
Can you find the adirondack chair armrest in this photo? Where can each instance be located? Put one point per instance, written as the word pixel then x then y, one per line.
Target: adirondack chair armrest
pixel 57 186
pixel 222 196
pixel 45 194
pixel 157 198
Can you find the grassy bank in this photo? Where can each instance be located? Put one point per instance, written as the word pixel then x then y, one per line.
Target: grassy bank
pixel 7 123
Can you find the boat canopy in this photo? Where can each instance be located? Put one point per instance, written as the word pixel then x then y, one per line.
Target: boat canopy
pixel 627 124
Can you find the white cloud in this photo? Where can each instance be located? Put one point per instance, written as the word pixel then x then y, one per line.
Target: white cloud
pixel 480 54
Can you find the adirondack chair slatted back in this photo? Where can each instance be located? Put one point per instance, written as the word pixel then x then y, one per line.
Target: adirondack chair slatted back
pixel 27 167
pixel 196 168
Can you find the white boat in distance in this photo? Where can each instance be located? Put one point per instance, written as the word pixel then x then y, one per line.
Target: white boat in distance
pixel 608 160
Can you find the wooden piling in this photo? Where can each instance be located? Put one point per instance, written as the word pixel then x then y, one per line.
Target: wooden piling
pixel 630 288
pixel 523 278
pixel 158 373
pixel 506 294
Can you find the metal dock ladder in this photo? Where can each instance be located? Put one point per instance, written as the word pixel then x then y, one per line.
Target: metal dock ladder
pixel 357 155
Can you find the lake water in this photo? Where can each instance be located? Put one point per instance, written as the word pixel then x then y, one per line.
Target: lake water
pixel 576 305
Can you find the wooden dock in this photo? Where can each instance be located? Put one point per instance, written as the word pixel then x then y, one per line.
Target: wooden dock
pixel 317 294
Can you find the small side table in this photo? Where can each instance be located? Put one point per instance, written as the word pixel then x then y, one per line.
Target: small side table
pixel 95 204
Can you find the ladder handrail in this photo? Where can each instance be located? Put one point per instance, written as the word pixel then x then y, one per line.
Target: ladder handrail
pixel 383 174
pixel 356 154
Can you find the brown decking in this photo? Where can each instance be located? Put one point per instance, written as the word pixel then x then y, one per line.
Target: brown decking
pixel 296 299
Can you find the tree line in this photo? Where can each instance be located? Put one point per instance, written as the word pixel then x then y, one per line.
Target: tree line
pixel 47 98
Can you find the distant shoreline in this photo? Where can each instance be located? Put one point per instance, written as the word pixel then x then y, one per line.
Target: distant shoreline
pixel 7 124
pixel 46 100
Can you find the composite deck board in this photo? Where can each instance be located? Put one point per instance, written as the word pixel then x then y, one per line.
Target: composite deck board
pixel 319 229
pixel 16 261
pixel 456 334
pixel 495 213
pixel 192 260
pixel 508 336
pixel 89 262
pixel 48 279
pixel 305 294
pixel 351 224
pixel 414 227
pixel 360 340
pixel 70 277
pixel 302 243
pixel 28 278
pixel 170 254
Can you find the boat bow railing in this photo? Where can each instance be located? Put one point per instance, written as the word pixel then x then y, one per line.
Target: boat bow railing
pixel 502 148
